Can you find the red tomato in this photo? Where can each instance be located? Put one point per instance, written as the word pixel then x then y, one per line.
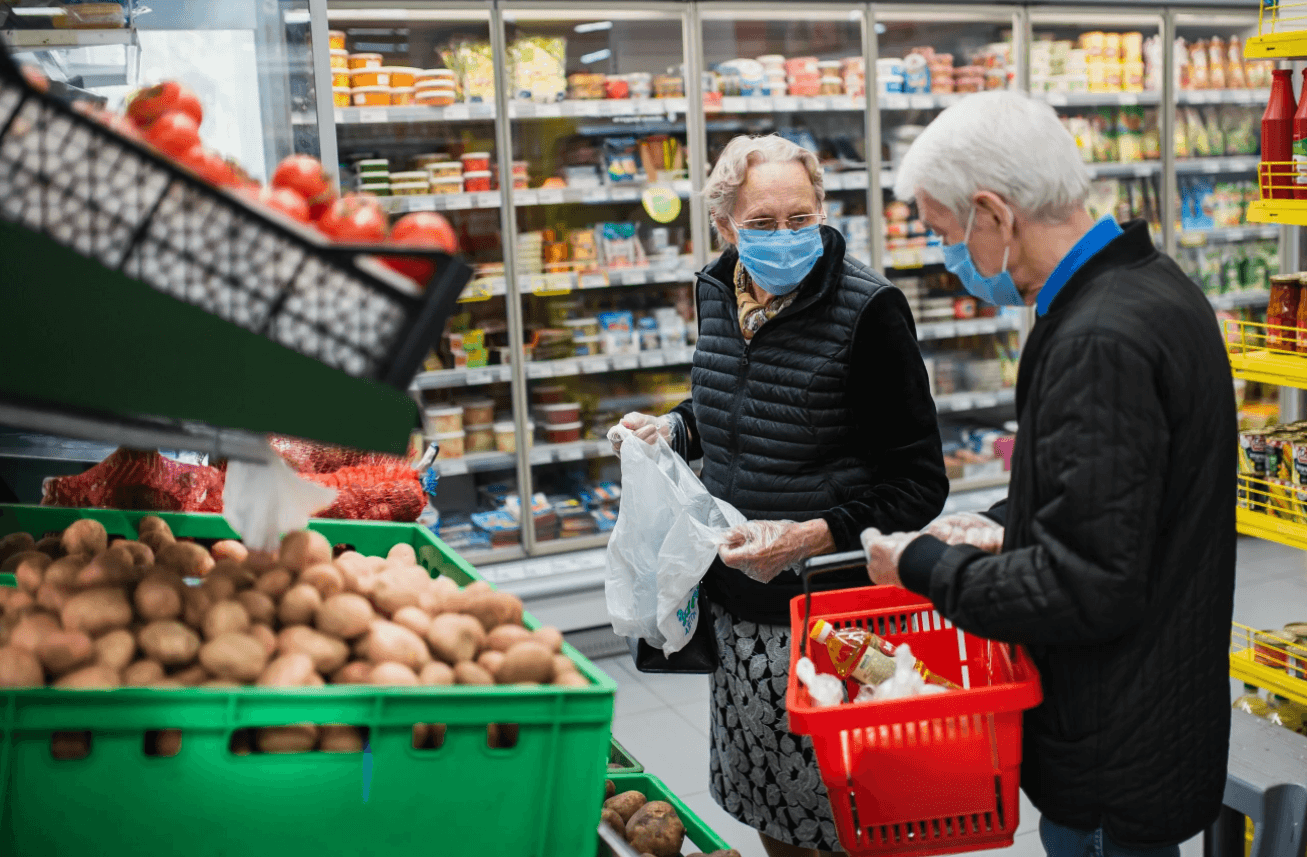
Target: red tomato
pixel 147 105
pixel 288 202
pixel 422 229
pixel 35 77
pixel 211 167
pixel 174 134
pixel 304 175
pixel 355 219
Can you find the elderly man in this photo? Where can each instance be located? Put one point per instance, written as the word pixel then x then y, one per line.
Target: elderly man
pixel 1113 557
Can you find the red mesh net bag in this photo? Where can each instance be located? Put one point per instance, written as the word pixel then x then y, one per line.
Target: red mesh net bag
pixel 306 456
pixel 140 480
pixel 371 486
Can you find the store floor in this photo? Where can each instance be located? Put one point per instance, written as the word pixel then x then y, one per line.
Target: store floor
pixel 663 720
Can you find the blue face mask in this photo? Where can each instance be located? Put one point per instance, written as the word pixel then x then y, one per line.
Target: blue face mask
pixel 998 289
pixel 778 261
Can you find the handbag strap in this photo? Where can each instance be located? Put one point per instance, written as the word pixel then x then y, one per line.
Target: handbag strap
pixel 817 565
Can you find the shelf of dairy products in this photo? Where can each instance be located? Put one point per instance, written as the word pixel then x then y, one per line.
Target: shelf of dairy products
pixel 599 194
pixel 1130 99
pixel 554 284
pixel 1227 235
pixel 441 202
pixel 540 453
pixel 959 402
pixel 597 365
pixel 481 111
pixel 733 104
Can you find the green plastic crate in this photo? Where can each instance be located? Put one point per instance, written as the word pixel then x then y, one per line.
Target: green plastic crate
pixel 703 836
pixel 620 757
pixel 540 798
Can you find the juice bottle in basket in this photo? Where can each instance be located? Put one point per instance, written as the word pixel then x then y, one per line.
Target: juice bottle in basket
pixel 862 655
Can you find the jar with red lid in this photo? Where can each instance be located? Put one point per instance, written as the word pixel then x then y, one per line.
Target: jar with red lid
pixel 1282 312
pixel 476 180
pixel 475 161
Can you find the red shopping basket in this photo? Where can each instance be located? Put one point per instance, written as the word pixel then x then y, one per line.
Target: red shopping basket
pixel 927 775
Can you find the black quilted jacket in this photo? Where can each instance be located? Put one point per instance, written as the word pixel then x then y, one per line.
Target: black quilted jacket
pixel 1117 567
pixel 826 413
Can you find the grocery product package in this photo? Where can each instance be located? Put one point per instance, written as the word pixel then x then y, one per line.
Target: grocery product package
pixel 667 534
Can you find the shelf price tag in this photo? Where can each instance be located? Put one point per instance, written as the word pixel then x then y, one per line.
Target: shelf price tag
pixel 572 453
pixel 564 368
pixel 456 112
pixel 488 199
pixel 833 181
pixel 894 101
pixel 549 111
pixel 651 359
pixel 594 367
pixel 459 201
pixel 477 290
pixel 1056 99
pixel 734 105
pixel 635 278
pixel 594 281
pixel 416 203
pixel 588 108
pixel 856 180
pixel 1213 166
pixel 908 257
pixel 539 370
pixel 522 109
pixel 1128 99
pixel 785 104
pixel 623 362
pixel 944 330
pixel 340 116
pixel 921 102
pixel 970 328
pixel 374 115
pixel 542 456
pixel 594 194
pixel 549 196
pixel 480 377
pixel 1143 170
pixel 625 194
pixel 453 467
pixel 989 401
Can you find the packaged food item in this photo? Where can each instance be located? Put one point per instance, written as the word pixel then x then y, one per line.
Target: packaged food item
pixel 340 96
pixel 478 412
pixel 563 433
pixel 339 59
pixel 371 96
pixel 537 69
pixel 403 96
pixel 475 161
pixel 451 184
pixel 560 413
pixel 583 326
pixel 588 346
pixel 433 96
pixel 1282 312
pixel 474 63
pixel 616 86
pixel 377 76
pixel 479 438
pixel 859 654
pixel 336 39
pixel 409 188
pixel 373 166
pixel 402 75
pixel 833 85
pixel 550 394
pixel 375 188
pixel 433 75
pixel 340 78
pixel 669 86
pixel 438 165
pixel 587 86
pixel 357 61
pixel 452 444
pixel 476 180
pixel 618 332
pixel 505 437
pixel 445 419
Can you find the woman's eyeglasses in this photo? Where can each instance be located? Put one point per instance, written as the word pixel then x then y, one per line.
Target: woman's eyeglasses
pixel 770 224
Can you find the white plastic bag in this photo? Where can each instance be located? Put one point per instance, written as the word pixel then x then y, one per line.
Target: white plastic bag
pixel 905 682
pixel 666 537
pixel 263 501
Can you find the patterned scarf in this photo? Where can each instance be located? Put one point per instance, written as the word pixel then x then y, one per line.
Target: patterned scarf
pixel 753 315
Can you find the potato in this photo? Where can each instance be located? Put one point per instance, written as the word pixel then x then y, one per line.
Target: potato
pixel 347 615
pixel 455 638
pixel 549 637
pixel 287 739
pixel 339 738
pixel 89 678
pixel 266 637
pixel 192 676
pixel 526 662
pixel 113 567
pixel 116 649
pixel 292 670
pixel 491 660
pixel 502 735
pixel 229 549
pixel 436 673
pixel 354 672
pixel 196 603
pixel 17 605
pixel 259 606
pixel 169 642
pixel 274 583
pixel 166 682
pixel 478 588
pixel 402 554
pixel 260 562
pixel 467 672
pixel 386 641
pixel 32 629
pixel 19 668
pixel 163 742
pixel 15 543
pixel 222 583
pixel 324 577
pixel 303 548
pixel 610 789
pixel 225 617
pixel 86 536
pixel 571 679
pixel 328 653
pixel 63 572
pixel 563 664
pixel 439 595
pixel 494 608
pixel 29 569
pixel 152 524
pixel 186 558
pixel 421 736
pixel 299 605
pixel 98 610
pixel 234 656
pixel 159 596
pixel 655 829
pixel 52 597
pixel 142 556
pixel 67 746
pixel 504 637
pixel 391 673
pixel 613 820
pixel 413 618
pixel 626 804
pixel 51 546
pixel 143 673
pixel 220 682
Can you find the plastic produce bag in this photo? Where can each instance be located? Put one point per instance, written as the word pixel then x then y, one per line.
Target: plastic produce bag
pixel 906 681
pixel 262 501
pixel 667 534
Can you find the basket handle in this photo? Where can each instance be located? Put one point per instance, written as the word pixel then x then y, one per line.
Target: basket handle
pixel 816 565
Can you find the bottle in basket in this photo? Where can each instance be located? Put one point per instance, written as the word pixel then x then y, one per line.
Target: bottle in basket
pixel 862 655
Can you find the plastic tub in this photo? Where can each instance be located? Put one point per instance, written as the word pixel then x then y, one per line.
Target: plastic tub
pixel 478 412
pixel 340 96
pixel 583 326
pixel 425 160
pixel 564 433
pixel 476 180
pixel 373 166
pixel 339 78
pixel 371 96
pixel 365 61
pixel 434 97
pixel 588 346
pixel 449 185
pixel 361 77
pixel 339 59
pixel 506 437
pixel 475 161
pixel 403 96
pixel 444 420
pixel 436 75
pixel 548 394
pixel 375 188
pixel 445 170
pixel 479 438
pixel 410 176
pixel 402 75
pixel 336 39
pixel 410 188
pixel 562 413
pixel 453 444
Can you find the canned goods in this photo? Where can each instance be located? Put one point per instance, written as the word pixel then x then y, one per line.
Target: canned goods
pixel 1252 463
pixel 1271 648
pixel 1282 312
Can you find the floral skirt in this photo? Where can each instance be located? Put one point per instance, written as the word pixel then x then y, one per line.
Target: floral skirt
pixel 759 772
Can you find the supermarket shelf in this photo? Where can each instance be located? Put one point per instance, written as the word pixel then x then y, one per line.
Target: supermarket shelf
pixel 396 115
pixel 1258 97
pixel 600 195
pixel 517 110
pixel 599 364
pixel 850 180
pixel 1270 367
pixel 489 557
pixel 1234 300
pixel 788 104
pixel 985 483
pixel 1285 212
pixel 441 202
pixel 1214 166
pixel 1276 46
pixel 1123 170
pixel 966 327
pixel 1126 99
pixel 1272 665
pixel 959 402
pixel 477 462
pixel 30 39
pixel 912 258
pixel 1271 528
pixel 1228 235
pixel 444 379
pixel 580 543
pixel 562 453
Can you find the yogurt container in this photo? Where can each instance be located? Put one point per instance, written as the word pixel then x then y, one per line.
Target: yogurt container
pixel 339 58
pixel 371 96
pixel 505 437
pixel 561 413
pixel 479 438
pixel 478 412
pixel 453 184
pixel 452 444
pixel 403 96
pixel 563 433
pixel 477 180
pixel 365 61
pixel 340 96
pixel 401 75
pixel 445 419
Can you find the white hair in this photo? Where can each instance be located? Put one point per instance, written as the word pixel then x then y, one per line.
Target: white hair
pixel 1003 142
pixel 732 169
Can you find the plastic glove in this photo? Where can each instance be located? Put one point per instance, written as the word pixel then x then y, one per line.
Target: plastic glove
pixel 646 428
pixel 968 528
pixel 884 550
pixel 762 549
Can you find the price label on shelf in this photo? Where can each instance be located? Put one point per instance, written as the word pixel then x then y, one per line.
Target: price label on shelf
pixel 856 180
pixel 623 362
pixel 907 257
pixel 594 281
pixel 549 196
pixel 894 101
pixel 477 290
pixel 985 401
pixel 416 203
pixel 340 116
pixel 588 108
pixel 571 453
pixel 522 109
pixel 635 278
pixel 625 194
pixel 1056 99
pixel 833 181
pixel 480 377
pixel 1213 166
pixel 453 467
pixel 651 359
pixel 921 102
pixel 1143 170
pixel 456 112
pixel 594 194
pixel 785 104
pixel 458 202
pixel 488 199
pixel 944 330
pixel 649 107
pixel 376 114
pixel 549 111
pixel 542 456
pixel 540 370
pixel 610 107
pixel 734 105
pixel 594 366
pixel 565 368
pixel 524 197
pixel 1128 99
pixel 970 328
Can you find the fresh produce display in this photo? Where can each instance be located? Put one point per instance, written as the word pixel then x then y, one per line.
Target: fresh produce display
pixel 650 827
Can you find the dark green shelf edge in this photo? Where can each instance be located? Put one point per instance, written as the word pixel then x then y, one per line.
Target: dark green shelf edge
pixel 89 339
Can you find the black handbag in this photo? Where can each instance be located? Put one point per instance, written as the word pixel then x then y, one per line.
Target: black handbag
pixel 697 657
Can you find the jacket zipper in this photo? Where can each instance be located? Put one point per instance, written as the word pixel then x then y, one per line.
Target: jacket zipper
pixel 735 419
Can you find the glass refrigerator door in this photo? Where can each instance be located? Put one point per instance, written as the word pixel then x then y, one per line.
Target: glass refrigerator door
pixel 927 61
pixel 603 253
pixel 413 110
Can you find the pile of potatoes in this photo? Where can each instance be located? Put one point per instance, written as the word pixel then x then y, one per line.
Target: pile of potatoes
pixel 90 614
pixel 651 827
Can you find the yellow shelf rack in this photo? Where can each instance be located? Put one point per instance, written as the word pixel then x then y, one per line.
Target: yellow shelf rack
pixel 1260 658
pixel 1266 353
pixel 1279 183
pixel 1281 31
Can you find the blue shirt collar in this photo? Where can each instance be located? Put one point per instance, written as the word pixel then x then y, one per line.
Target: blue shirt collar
pixel 1105 231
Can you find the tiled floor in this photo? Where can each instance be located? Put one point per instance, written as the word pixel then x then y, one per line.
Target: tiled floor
pixel 663 720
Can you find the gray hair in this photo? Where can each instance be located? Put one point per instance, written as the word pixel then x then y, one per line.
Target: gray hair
pixel 743 152
pixel 1003 142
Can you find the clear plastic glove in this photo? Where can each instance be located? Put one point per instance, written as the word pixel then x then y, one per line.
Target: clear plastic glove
pixel 646 428
pixel 884 550
pixel 968 528
pixel 763 549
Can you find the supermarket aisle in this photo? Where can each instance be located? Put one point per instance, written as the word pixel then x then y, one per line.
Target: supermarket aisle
pixel 663 720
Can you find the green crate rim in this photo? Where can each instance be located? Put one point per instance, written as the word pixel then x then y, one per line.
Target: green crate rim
pixel 619 755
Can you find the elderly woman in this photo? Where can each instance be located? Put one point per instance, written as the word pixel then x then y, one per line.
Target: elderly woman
pixel 811 410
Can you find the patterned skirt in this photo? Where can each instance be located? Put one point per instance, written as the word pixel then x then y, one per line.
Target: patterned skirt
pixel 759 772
